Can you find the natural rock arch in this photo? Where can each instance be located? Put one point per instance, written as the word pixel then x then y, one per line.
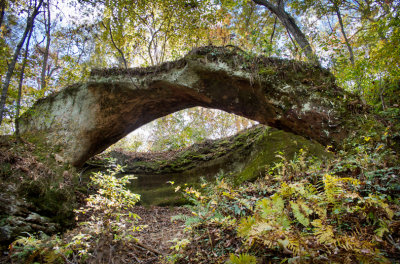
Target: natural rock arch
pixel 84 119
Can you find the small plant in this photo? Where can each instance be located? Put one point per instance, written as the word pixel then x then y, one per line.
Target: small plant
pixel 108 210
pixel 242 259
pixel 341 210
pixel 107 220
pixel 37 249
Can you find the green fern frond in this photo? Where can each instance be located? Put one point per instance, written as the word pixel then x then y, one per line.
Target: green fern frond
pixel 245 226
pixel 242 259
pixel 300 217
pixel 179 217
pixel 323 232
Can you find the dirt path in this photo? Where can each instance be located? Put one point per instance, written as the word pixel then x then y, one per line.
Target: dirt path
pixel 155 240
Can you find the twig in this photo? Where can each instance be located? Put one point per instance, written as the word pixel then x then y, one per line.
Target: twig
pixel 147 248
pixel 210 239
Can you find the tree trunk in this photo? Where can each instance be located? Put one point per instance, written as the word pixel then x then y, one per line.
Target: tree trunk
pixel 47 24
pixel 11 66
pixel 339 16
pixel 351 54
pixel 2 11
pixel 290 24
pixel 121 53
pixel 21 80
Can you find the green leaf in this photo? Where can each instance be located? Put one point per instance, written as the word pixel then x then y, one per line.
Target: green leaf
pixel 300 217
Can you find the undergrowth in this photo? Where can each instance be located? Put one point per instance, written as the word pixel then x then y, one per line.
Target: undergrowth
pixel 105 226
pixel 305 210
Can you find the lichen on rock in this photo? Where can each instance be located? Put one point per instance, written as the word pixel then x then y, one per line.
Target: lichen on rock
pixel 84 119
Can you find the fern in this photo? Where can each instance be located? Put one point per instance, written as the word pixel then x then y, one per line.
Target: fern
pixel 242 259
pixel 323 232
pixel 189 220
pixel 245 226
pixel 260 227
pixel 294 246
pixel 383 228
pixel 300 217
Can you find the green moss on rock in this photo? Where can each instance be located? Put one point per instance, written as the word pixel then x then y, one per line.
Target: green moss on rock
pixel 267 148
pixel 243 157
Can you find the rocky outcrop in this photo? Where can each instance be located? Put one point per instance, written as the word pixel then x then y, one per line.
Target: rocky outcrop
pixel 239 158
pixel 18 217
pixel 84 119
pixel 38 194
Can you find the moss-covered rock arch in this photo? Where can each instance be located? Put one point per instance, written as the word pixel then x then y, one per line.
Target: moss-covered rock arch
pixel 84 119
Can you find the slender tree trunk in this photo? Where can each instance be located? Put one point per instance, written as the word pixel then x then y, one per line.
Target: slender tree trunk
pixel 290 24
pixel 47 24
pixel 350 49
pixel 271 38
pixel 273 32
pixel 339 16
pixel 381 93
pixel 2 10
pixel 121 53
pixel 11 66
pixel 21 80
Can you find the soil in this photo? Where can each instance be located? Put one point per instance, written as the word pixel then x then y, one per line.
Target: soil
pixel 155 241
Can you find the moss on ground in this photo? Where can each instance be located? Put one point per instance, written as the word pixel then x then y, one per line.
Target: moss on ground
pixel 243 156
pixel 32 178
pixel 269 145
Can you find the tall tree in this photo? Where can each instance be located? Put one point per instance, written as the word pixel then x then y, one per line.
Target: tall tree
pixel 11 66
pixel 47 26
pixel 21 80
pixel 150 32
pixel 290 24
pixel 2 11
pixel 339 16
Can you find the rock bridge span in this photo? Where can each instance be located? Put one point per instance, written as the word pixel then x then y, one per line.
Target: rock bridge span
pixel 84 119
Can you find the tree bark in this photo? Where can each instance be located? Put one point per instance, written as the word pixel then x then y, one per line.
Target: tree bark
pixel 11 66
pixel 339 16
pixel 47 24
pixel 21 80
pixel 121 53
pixel 3 9
pixel 290 24
pixel 273 32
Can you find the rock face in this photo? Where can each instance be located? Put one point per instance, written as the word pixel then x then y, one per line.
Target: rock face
pixel 18 218
pixel 37 193
pixel 239 158
pixel 84 119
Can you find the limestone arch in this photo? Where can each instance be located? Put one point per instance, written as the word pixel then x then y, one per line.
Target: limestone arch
pixel 84 119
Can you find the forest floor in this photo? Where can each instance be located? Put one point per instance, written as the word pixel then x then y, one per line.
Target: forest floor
pixel 345 209
pixel 19 166
pixel 156 239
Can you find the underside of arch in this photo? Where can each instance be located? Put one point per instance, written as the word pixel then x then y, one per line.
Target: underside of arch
pixel 84 119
